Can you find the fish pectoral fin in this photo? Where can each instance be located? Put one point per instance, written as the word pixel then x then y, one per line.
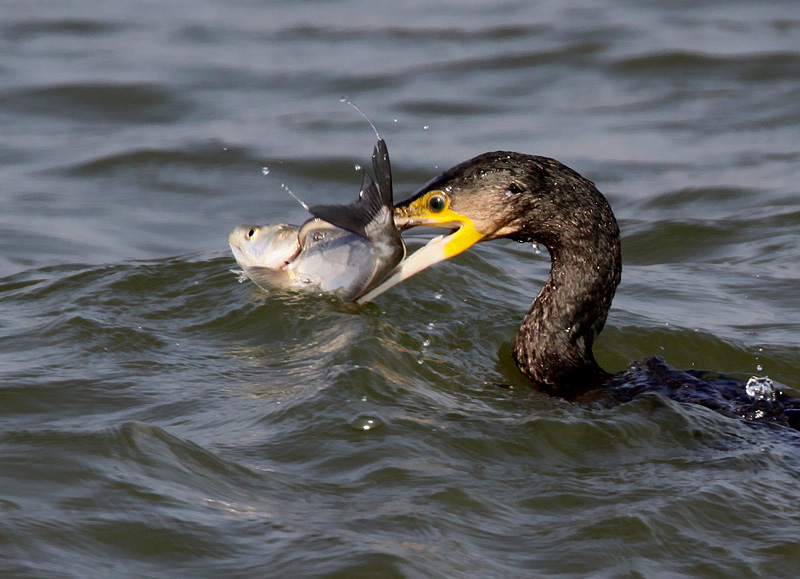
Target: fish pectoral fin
pixel 269 278
pixel 373 211
pixel 352 218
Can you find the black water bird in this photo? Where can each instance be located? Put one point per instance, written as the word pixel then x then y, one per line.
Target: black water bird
pixel 537 199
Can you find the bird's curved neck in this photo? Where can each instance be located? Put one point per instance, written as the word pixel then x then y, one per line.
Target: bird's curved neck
pixel 554 344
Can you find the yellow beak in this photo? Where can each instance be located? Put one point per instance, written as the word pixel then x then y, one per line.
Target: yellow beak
pixel 415 213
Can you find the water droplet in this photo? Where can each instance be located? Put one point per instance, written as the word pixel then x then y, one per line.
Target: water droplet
pixel 265 170
pixel 759 367
pixel 358 167
pixel 343 99
pixel 395 120
pixel 366 422
pixel 426 343
pixel 425 127
pixel 431 325
pixel 536 249
pixel 295 197
pixel 438 295
pixel 508 193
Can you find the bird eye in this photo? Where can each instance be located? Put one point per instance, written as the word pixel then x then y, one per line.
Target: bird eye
pixel 514 188
pixel 437 203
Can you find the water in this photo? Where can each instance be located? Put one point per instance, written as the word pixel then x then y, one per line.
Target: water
pixel 160 419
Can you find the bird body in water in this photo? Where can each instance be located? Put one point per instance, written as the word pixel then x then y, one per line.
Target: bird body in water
pixel 537 199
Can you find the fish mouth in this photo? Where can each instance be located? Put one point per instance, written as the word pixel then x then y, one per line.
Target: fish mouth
pixel 233 242
pixel 241 257
pixel 420 211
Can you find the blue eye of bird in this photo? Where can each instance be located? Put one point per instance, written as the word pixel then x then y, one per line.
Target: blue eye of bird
pixel 437 203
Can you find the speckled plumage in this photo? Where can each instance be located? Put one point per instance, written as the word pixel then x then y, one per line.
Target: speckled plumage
pixel 538 199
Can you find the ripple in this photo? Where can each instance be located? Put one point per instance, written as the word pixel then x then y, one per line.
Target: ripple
pixel 105 102
pixel 488 32
pixel 752 67
pixel 79 27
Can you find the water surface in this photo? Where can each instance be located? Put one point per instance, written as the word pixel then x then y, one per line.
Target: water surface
pixel 160 419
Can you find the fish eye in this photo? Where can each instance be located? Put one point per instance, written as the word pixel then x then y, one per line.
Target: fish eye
pixel 437 203
pixel 252 233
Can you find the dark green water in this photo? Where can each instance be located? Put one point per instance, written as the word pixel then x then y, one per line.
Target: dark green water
pixel 159 419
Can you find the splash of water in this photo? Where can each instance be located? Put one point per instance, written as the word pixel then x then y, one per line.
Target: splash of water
pixel 760 388
pixel 296 198
pixel 363 114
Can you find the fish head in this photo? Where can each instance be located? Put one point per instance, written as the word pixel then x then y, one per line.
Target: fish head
pixel 266 246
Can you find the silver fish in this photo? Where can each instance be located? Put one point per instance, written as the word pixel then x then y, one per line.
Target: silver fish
pixel 343 249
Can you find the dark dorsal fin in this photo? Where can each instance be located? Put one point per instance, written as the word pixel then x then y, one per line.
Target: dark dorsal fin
pixel 356 216
pixel 383 171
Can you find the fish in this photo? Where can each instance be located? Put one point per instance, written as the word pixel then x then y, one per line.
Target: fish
pixel 344 250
